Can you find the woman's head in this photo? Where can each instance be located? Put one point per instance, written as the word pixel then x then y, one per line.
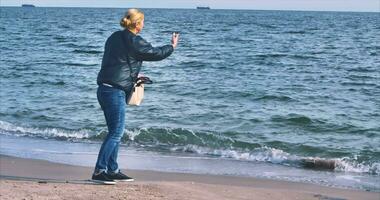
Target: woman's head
pixel 133 20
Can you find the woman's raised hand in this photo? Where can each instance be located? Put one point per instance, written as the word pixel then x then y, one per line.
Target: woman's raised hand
pixel 175 39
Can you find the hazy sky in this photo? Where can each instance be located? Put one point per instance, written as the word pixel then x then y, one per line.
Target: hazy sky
pixel 324 5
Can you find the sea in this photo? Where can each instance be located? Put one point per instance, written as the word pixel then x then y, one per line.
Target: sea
pixel 265 94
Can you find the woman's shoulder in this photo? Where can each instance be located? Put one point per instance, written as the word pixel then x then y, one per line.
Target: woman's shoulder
pixel 139 41
pixel 116 33
pixel 115 37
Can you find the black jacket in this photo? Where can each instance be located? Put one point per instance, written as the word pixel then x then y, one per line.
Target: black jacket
pixel 120 46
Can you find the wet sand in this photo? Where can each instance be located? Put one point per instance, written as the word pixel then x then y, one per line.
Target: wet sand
pixel 38 179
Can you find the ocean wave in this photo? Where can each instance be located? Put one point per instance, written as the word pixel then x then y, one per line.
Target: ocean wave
pixel 169 137
pixel 7 128
pixel 359 84
pixel 271 55
pixel 278 156
pixel 226 145
pixel 220 145
pixel 46 82
pixel 285 55
pixel 275 98
pixel 262 25
pixel 60 38
pixel 87 51
pixel 78 64
pixel 362 69
pixel 312 124
pixel 292 118
pixel 295 32
pixel 261 154
pixel 373 54
pixel 193 63
pixel 347 164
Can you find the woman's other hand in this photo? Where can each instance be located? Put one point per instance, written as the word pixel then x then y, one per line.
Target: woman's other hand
pixel 175 38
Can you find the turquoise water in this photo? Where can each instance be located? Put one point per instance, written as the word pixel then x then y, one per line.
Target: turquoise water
pixel 268 87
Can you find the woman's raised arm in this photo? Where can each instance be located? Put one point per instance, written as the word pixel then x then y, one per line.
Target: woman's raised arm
pixel 144 51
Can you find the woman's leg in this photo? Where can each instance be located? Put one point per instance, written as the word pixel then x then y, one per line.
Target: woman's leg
pixel 112 101
pixel 112 163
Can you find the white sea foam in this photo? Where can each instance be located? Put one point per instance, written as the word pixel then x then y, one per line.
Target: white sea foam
pixel 263 154
pixel 133 133
pixel 11 129
pixel 278 156
pixel 352 165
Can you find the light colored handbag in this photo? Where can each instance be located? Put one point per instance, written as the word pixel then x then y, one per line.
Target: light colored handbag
pixel 137 95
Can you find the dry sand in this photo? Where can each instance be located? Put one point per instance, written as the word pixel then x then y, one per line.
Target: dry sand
pixel 25 179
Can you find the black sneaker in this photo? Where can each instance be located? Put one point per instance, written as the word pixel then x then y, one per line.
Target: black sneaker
pixel 119 177
pixel 103 178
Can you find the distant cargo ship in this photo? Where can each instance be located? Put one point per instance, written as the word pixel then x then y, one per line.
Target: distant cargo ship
pixel 203 8
pixel 28 6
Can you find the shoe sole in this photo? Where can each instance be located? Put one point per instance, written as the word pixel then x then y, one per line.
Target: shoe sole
pixel 126 180
pixel 104 182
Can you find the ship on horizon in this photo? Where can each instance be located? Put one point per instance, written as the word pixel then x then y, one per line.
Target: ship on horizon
pixel 28 6
pixel 203 8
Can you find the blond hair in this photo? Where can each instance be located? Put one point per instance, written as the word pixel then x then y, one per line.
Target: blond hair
pixel 131 18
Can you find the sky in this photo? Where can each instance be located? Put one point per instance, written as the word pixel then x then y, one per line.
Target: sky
pixel 318 5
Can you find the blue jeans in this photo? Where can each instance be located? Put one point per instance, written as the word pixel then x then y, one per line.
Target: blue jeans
pixel 112 102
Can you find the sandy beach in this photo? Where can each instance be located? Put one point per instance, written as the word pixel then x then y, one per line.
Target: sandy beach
pixel 38 179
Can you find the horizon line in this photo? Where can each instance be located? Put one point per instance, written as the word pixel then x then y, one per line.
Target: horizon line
pixel 195 8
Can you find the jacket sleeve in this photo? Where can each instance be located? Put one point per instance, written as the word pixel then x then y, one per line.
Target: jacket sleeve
pixel 146 52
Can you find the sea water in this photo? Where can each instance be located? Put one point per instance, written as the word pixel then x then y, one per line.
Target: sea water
pixel 246 93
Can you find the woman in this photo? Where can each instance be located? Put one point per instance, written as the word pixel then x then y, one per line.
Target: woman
pixel 123 55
